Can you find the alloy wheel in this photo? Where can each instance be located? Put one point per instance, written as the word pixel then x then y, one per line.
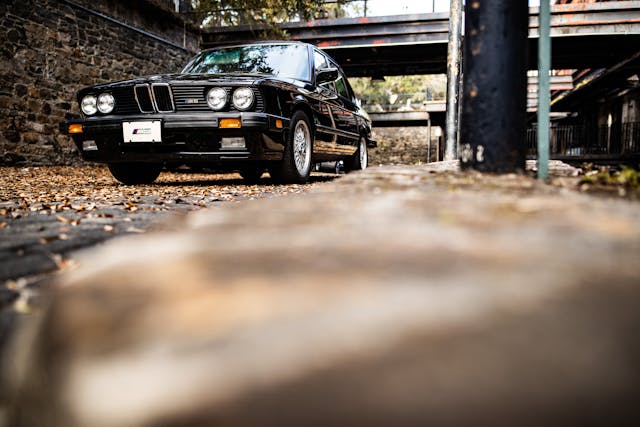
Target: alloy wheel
pixel 302 147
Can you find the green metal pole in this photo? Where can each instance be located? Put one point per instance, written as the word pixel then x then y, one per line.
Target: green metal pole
pixel 544 66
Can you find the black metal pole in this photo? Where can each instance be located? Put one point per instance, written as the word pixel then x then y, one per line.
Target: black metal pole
pixel 494 110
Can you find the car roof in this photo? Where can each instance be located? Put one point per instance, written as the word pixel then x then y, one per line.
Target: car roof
pixel 260 42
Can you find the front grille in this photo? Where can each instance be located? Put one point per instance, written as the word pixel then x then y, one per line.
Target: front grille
pixel 162 97
pixel 143 97
pixel 259 101
pixel 190 98
pixel 125 100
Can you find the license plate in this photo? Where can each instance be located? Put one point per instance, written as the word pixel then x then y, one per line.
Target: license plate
pixel 147 131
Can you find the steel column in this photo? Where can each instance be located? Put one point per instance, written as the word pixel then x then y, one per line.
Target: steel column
pixel 494 111
pixel 454 62
pixel 544 65
pixel 429 140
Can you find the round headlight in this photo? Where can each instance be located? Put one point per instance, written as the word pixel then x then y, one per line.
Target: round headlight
pixel 243 98
pixel 217 98
pixel 88 105
pixel 106 102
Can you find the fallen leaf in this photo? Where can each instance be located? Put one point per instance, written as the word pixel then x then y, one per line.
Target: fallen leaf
pixel 62 219
pixel 134 230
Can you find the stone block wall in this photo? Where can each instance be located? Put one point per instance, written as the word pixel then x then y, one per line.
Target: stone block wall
pixel 404 146
pixel 51 48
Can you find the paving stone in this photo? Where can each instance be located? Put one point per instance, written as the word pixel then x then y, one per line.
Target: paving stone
pixel 7 297
pixel 58 210
pixel 34 263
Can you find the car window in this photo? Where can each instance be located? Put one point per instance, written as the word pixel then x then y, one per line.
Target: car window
pixel 341 87
pixel 283 60
pixel 320 62
pixel 329 85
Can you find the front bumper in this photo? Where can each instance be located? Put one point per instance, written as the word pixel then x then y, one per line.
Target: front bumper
pixel 185 138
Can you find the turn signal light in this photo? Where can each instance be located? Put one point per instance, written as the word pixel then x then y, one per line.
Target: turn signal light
pixel 279 123
pixel 75 128
pixel 230 124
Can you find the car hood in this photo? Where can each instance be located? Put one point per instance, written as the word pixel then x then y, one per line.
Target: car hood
pixel 183 79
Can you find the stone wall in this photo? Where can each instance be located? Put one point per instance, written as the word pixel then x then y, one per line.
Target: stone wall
pixel 404 146
pixel 51 48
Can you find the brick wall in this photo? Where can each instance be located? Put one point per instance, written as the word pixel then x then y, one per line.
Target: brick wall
pixel 51 48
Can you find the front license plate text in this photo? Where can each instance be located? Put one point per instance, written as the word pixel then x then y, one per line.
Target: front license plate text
pixel 147 131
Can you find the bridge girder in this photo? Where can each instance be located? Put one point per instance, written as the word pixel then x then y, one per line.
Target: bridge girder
pixel 586 35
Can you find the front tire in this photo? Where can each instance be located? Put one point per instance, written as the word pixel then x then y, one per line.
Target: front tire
pixel 135 173
pixel 296 163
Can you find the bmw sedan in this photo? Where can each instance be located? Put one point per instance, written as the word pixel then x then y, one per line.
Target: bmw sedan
pixel 279 107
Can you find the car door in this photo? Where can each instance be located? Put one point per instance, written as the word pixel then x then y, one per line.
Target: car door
pixel 326 137
pixel 337 134
pixel 345 112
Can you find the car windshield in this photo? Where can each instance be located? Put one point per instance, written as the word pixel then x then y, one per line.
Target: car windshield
pixel 283 60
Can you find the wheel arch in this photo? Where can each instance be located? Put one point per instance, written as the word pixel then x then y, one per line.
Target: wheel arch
pixel 303 106
pixel 308 111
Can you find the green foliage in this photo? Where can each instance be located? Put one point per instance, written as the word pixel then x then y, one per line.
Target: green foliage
pixel 215 13
pixel 629 177
pixel 399 92
pixel 626 176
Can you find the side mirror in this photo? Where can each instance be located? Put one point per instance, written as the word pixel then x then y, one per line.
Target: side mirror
pixel 326 75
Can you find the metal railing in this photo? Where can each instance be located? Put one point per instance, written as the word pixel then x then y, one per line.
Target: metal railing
pixel 578 140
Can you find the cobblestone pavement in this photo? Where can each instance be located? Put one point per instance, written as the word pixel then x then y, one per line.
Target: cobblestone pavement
pixel 46 213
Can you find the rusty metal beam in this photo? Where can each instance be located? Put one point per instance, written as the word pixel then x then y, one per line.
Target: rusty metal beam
pixel 584 36
pixel 400 118
pixel 597 83
pixel 622 17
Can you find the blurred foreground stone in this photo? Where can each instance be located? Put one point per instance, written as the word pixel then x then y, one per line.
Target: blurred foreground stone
pixel 397 296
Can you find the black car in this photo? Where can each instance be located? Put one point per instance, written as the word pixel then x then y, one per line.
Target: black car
pixel 276 106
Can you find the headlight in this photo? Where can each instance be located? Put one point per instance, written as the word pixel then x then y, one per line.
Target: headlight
pixel 106 102
pixel 243 98
pixel 217 98
pixel 88 105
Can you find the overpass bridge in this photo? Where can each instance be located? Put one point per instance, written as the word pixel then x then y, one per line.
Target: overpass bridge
pixel 584 35
pixel 415 114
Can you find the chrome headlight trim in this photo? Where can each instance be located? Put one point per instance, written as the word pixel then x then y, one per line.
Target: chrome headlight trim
pixel 243 98
pixel 106 103
pixel 217 98
pixel 89 105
